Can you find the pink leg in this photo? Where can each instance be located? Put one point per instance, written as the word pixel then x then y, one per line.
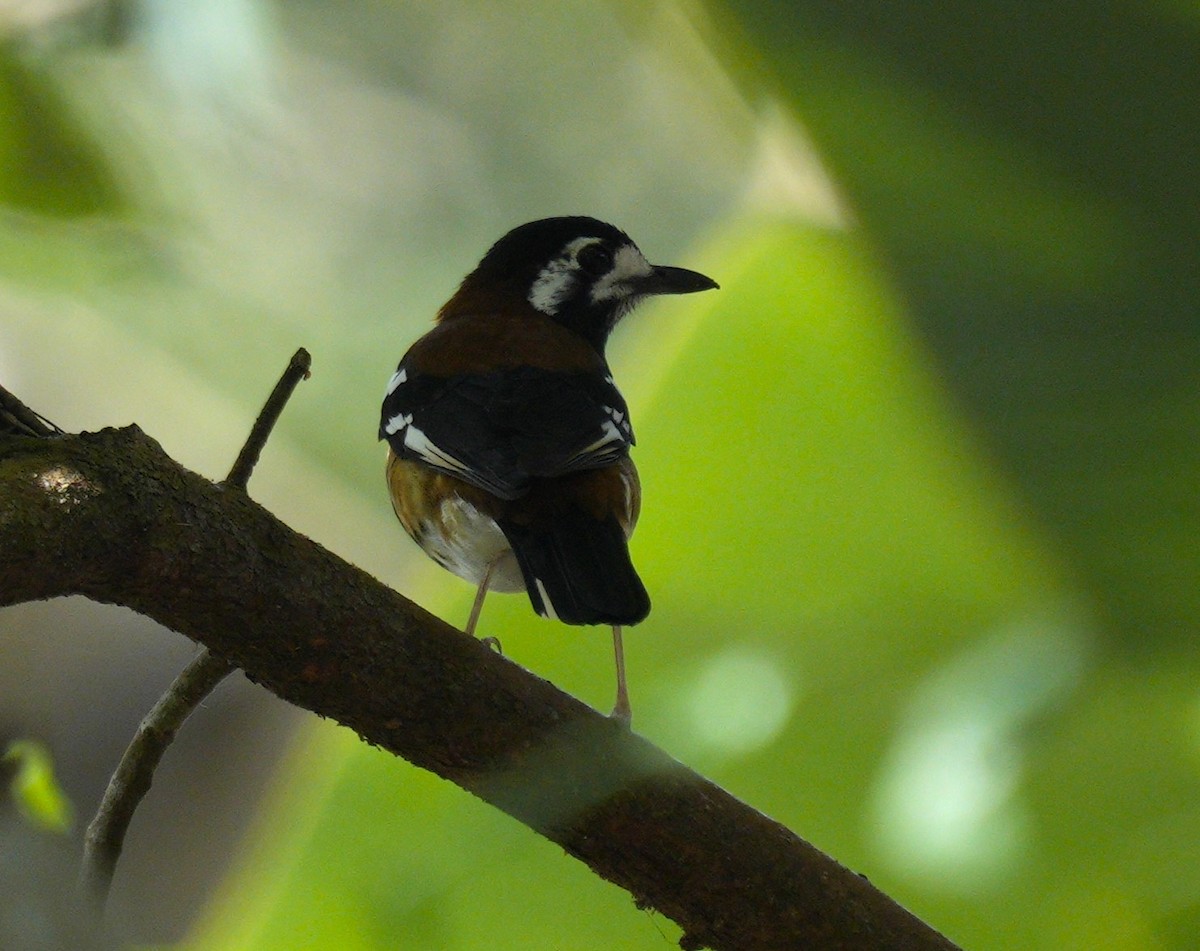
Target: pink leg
pixel 477 607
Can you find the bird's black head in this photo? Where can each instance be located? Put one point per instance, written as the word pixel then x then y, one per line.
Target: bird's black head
pixel 582 273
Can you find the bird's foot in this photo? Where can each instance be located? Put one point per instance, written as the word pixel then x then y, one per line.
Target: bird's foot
pixel 622 713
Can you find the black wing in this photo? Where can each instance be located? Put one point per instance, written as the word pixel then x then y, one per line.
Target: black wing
pixel 500 430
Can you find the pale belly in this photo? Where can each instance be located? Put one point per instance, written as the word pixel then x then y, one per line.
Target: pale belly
pixel 466 541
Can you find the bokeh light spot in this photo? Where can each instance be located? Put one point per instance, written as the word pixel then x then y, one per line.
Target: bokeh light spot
pixel 948 804
pixel 740 700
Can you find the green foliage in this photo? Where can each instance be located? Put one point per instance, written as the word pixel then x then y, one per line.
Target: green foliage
pixel 1028 172
pixel 49 163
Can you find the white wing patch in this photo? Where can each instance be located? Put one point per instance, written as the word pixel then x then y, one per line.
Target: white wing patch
pixel 609 435
pixel 618 421
pixel 547 606
pixel 614 431
pixel 421 444
pixel 400 376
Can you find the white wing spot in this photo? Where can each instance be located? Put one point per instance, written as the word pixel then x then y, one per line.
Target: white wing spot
pixel 609 435
pixel 619 418
pixel 400 376
pixel 547 606
pixel 397 423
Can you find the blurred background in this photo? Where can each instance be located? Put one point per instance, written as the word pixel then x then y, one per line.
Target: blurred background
pixel 921 514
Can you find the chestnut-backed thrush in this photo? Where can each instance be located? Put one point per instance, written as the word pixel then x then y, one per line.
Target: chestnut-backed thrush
pixel 508 442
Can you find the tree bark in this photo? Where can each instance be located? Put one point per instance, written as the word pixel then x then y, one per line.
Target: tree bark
pixel 110 516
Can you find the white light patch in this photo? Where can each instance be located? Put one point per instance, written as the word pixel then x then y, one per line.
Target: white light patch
pixel 948 802
pixel 947 806
pixel 628 265
pixel 740 701
pixel 67 486
pixel 400 376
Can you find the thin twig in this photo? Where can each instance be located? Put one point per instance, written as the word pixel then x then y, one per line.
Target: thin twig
pixel 297 369
pixel 135 773
pixel 129 784
pixel 19 419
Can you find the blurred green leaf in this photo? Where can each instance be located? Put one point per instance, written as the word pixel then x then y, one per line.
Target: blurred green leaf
pixel 1028 174
pixel 49 162
pixel 35 789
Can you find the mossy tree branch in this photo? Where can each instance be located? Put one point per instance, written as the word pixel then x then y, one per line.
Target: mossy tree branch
pixel 110 516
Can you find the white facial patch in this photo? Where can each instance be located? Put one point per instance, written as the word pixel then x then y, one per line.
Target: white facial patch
pixel 619 282
pixel 558 278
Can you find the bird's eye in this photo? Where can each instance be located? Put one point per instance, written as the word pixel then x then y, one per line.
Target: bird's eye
pixel 595 259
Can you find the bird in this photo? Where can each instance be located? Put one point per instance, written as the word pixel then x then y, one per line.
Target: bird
pixel 508 441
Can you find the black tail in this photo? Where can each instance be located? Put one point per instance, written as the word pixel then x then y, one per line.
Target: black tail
pixel 578 570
